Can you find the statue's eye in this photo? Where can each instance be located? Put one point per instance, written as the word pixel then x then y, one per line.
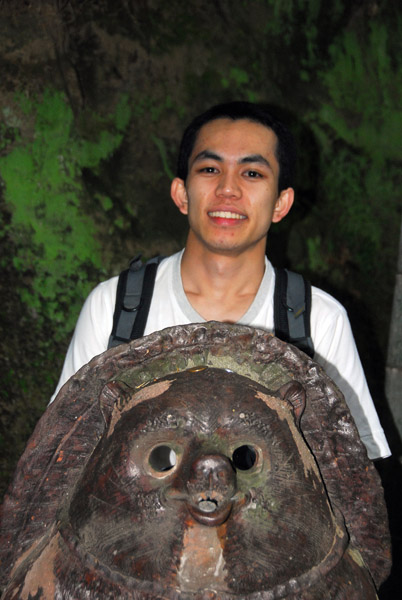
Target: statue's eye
pixel 244 457
pixel 162 458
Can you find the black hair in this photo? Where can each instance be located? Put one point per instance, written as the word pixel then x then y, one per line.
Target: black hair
pixel 285 151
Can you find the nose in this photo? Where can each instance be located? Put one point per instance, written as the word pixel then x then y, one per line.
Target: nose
pixel 228 185
pixel 212 472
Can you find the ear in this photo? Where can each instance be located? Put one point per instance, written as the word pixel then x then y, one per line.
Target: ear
pixel 295 394
pixel 179 195
pixel 114 394
pixel 283 204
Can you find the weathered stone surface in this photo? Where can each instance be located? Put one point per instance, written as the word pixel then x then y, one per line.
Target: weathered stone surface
pixel 99 508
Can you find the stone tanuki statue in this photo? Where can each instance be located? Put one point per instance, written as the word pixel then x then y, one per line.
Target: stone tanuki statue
pixel 203 461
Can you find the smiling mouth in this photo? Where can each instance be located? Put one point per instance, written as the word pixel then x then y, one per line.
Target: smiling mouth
pixel 224 214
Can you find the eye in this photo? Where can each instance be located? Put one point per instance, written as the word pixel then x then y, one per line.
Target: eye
pixel 162 458
pixel 253 174
pixel 244 457
pixel 208 170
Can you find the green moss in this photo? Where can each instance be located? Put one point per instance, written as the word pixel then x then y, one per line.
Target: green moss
pixel 353 229
pixel 364 94
pixel 44 190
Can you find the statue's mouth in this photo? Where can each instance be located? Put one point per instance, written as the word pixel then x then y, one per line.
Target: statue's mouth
pixel 210 508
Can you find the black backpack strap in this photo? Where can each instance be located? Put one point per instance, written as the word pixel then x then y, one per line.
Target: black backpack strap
pixel 133 299
pixel 292 308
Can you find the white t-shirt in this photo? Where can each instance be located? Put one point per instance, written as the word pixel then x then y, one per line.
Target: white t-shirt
pixel 335 348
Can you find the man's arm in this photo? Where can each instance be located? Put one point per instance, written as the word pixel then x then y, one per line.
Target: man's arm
pixel 92 331
pixel 337 353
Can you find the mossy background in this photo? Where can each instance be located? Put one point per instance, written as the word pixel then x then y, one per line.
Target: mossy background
pixel 94 97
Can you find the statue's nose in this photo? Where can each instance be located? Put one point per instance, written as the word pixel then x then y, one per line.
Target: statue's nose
pixel 212 472
pixel 211 487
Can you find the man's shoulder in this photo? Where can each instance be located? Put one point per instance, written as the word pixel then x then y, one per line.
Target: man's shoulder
pixel 327 313
pixel 106 285
pixel 105 291
pixel 323 301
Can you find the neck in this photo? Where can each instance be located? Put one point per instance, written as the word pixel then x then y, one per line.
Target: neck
pixel 221 286
pixel 203 268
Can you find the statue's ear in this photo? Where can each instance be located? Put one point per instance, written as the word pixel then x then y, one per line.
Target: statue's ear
pixel 114 394
pixel 294 393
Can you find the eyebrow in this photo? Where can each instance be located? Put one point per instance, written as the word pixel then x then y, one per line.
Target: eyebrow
pixel 255 158
pixel 252 158
pixel 207 154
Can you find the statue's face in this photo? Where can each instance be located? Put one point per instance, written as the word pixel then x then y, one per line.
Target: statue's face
pixel 203 480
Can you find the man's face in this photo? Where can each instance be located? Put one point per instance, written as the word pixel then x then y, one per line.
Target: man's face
pixel 231 193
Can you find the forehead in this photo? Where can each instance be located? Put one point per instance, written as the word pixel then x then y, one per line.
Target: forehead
pixel 239 138
pixel 210 393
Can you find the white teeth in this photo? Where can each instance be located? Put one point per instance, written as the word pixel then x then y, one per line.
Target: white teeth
pixel 223 214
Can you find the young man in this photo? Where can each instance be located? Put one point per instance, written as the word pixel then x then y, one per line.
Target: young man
pixel 234 179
